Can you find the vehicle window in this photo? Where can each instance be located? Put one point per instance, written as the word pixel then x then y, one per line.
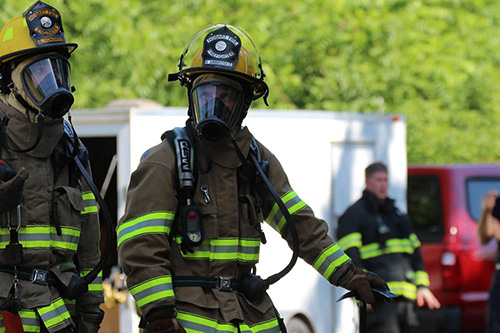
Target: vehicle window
pixel 424 207
pixel 477 187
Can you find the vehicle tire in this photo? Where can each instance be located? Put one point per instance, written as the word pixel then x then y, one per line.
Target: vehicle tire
pixel 297 325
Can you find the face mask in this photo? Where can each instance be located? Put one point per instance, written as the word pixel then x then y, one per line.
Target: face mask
pixel 217 109
pixel 46 82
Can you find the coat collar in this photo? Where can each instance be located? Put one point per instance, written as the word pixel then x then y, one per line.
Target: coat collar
pixel 223 152
pixel 23 133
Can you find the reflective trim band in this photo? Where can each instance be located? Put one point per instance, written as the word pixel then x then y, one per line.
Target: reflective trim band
pixel 54 314
pixel 152 223
pixel 414 241
pixel 43 237
pixel 89 203
pixel 422 279
pixel 403 288
pixel 394 245
pixel 239 249
pixel 350 240
pixel 292 202
pixel 194 323
pixel 152 290
pixel 30 320
pixel 96 284
pixel 328 260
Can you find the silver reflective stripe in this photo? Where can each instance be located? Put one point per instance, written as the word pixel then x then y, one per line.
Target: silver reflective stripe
pixel 30 320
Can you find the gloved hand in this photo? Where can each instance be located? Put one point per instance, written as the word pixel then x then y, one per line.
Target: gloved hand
pixel 360 281
pixel 163 321
pixel 11 190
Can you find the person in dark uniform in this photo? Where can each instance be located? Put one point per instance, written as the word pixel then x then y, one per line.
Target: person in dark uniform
pixel 378 237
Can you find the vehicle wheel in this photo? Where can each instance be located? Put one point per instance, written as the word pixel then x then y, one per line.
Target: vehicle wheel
pixel 297 325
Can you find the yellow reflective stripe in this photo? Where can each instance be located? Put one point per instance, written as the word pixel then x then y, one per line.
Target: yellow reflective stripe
pixel 415 242
pixel 403 288
pixel 422 279
pixel 239 249
pixel 89 203
pixel 152 223
pixel 350 240
pixel 43 237
pixel 152 290
pixel 394 245
pixel 293 204
pixel 54 314
pixel 30 320
pixel 195 323
pixel 96 284
pixel 329 259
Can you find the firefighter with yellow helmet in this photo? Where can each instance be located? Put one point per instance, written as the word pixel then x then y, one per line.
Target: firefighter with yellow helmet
pixel 49 225
pixel 190 236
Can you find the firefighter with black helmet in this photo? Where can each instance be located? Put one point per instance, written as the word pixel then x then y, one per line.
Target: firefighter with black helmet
pixel 48 216
pixel 190 236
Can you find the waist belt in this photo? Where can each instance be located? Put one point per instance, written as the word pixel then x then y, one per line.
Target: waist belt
pixel 38 276
pixel 217 282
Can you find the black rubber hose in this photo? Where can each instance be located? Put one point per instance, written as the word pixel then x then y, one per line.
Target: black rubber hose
pixel 295 237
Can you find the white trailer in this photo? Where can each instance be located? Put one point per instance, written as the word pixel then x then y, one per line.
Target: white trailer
pixel 324 154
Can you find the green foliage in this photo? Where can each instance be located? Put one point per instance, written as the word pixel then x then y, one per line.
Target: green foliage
pixel 436 61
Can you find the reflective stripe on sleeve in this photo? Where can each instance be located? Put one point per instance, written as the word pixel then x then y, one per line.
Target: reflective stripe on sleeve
pixel 30 320
pixel 152 223
pixel 54 314
pixel 239 249
pixel 292 202
pixel 96 284
pixel 43 237
pixel 89 203
pixel 328 260
pixel 403 288
pixel 195 323
pixel 152 290
pixel 350 240
pixel 422 279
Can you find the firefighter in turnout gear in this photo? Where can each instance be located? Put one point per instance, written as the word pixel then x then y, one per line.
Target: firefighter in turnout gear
pixel 189 240
pixel 49 223
pixel 379 238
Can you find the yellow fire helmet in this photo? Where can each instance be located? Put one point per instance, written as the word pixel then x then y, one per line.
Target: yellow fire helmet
pixel 38 29
pixel 222 51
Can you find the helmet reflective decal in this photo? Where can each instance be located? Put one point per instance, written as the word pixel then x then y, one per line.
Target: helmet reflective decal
pixel 221 49
pixel 44 23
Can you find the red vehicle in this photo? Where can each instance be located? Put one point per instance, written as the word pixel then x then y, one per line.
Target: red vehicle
pixel 444 204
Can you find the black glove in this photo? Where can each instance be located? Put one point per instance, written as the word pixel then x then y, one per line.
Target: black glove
pixel 362 282
pixel 11 190
pixel 163 320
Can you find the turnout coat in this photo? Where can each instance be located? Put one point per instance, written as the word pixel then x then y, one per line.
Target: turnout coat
pixel 149 237
pixel 59 226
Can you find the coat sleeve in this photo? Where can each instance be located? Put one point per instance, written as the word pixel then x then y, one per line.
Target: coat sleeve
pixel 417 262
pixel 317 248
pixel 143 231
pixel 88 248
pixel 349 235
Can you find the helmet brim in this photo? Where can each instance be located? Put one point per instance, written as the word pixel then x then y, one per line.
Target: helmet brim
pixel 70 47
